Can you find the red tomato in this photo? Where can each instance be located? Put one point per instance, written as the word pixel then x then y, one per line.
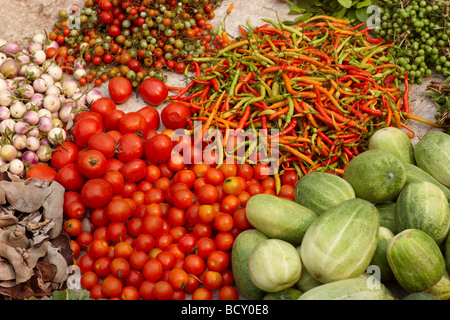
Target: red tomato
pixel 73 227
pixel 118 210
pixel 131 147
pixel 174 115
pixel 76 209
pixel 151 115
pixel 70 177
pixel 84 129
pixel 158 149
pixel 112 119
pixel 111 287
pixel 88 115
pixel 132 122
pixel 102 142
pixel 153 91
pixel 96 193
pixel 120 89
pixel 134 170
pixel 92 164
pixel 116 180
pixel 41 171
pixel 103 106
pixel 63 154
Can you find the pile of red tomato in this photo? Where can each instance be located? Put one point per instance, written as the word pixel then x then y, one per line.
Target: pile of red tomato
pixel 144 224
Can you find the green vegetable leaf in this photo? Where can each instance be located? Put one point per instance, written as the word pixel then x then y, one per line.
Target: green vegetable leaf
pixel 346 3
pixel 340 13
pixel 70 294
pixel 294 9
pixel 364 3
pixel 361 14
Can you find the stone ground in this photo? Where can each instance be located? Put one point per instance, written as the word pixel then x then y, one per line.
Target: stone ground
pixel 24 18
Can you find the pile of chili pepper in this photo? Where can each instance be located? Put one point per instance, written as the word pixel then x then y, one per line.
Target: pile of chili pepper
pixel 325 85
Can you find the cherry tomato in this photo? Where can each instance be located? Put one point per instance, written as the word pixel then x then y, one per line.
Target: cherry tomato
pixel 89 280
pixel 120 89
pixel 73 227
pixel 98 248
pixel 118 210
pixel 218 260
pixel 76 209
pixel 111 286
pixel 153 91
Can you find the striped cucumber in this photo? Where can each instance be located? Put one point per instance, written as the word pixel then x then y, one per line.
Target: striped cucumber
pixel 395 141
pixel 319 191
pixel 415 174
pixel 279 218
pixel 415 260
pixel 341 242
pixel 376 175
pixel 423 206
pixel 432 154
pixel 243 246
pixel 349 289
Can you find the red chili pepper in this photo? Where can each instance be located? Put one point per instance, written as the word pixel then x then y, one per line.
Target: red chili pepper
pixel 406 94
pixel 288 129
pixel 373 40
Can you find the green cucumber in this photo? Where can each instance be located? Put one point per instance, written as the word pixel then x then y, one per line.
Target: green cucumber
pixel 380 257
pixel 415 260
pixel 286 294
pixel 415 174
pixel 306 281
pixel 319 191
pixel 423 206
pixel 442 288
pixel 420 296
pixel 279 218
pixel 349 289
pixel 432 154
pixel 376 175
pixel 395 141
pixel 341 242
pixel 274 265
pixel 387 215
pixel 243 246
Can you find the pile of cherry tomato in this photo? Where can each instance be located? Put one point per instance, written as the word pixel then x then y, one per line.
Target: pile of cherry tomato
pixel 133 39
pixel 143 223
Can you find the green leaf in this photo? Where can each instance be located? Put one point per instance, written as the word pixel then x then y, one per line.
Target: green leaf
pixel 364 3
pixel 70 294
pixel 340 13
pixel 294 9
pixel 351 14
pixel 346 3
pixel 362 14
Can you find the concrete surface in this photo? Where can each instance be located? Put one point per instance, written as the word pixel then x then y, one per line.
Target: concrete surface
pixel 24 18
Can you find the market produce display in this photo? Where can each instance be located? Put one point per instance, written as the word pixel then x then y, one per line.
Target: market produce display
pixel 281 168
